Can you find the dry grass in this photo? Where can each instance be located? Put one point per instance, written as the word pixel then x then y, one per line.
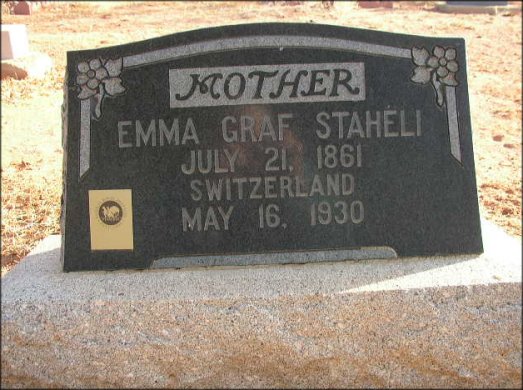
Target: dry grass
pixel 31 124
pixel 31 210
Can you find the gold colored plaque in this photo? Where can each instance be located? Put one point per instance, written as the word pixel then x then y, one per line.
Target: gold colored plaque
pixel 111 219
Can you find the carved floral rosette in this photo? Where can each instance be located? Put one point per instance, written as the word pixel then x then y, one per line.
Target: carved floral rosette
pixel 98 78
pixel 439 69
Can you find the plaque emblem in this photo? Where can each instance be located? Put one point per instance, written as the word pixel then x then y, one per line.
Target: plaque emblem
pixel 110 212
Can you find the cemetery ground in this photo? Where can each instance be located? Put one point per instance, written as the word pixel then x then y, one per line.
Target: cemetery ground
pixel 31 176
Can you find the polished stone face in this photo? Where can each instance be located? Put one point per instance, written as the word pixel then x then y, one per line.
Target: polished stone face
pixel 267 143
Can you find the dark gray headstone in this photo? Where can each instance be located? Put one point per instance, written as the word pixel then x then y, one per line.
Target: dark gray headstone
pixel 267 143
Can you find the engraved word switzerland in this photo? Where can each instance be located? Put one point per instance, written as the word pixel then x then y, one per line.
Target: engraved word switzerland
pixel 294 83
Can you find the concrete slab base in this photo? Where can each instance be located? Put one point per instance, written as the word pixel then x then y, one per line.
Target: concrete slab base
pixel 417 322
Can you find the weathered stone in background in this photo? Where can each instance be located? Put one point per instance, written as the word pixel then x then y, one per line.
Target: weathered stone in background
pixel 417 322
pixel 23 8
pixel 477 7
pixel 32 65
pixel 14 41
pixel 17 61
pixel 375 4
pixel 484 3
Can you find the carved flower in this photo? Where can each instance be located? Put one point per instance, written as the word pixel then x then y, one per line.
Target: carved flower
pixel 440 68
pixel 97 78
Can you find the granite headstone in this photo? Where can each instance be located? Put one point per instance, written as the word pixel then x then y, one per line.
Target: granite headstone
pixel 267 143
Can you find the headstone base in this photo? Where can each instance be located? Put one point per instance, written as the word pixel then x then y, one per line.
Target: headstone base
pixel 416 322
